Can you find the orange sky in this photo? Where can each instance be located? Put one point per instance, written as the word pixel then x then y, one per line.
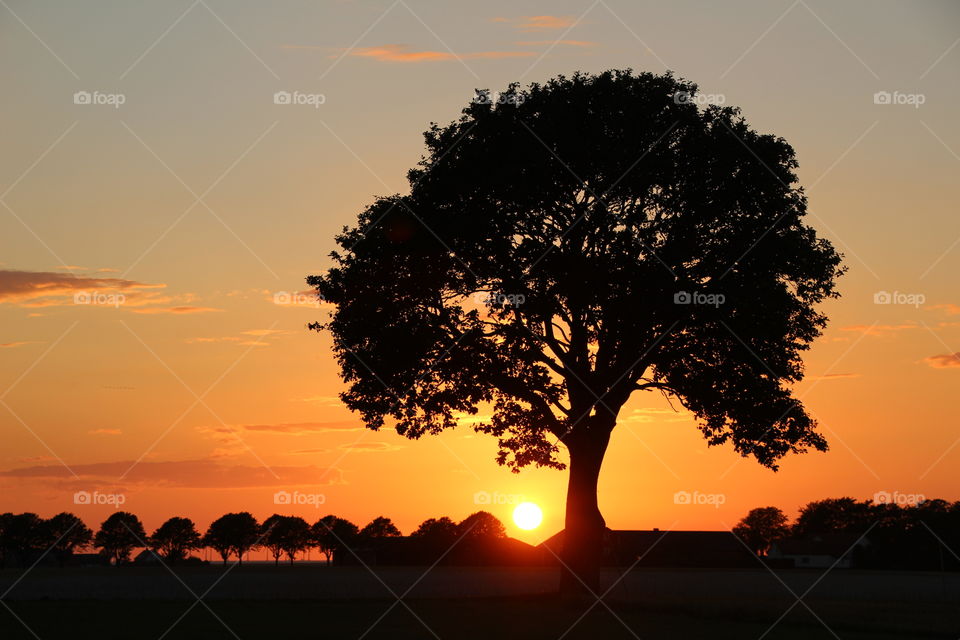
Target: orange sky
pixel 152 339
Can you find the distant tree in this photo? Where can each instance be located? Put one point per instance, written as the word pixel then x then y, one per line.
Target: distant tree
pixel 235 533
pixel 332 534
pixel 834 515
pixel 218 538
pixel 286 534
pixel 68 534
pixel 297 537
pixel 119 535
pixel 24 534
pixel 761 528
pixel 572 243
pixel 271 536
pixel 379 527
pixel 437 532
pixel 6 549
pixel 481 525
pixel 175 538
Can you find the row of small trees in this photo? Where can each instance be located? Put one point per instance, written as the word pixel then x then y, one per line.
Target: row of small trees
pixel 899 533
pixel 27 535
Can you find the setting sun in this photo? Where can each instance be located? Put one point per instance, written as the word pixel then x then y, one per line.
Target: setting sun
pixel 527 515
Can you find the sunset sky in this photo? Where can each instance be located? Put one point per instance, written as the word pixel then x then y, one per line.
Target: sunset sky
pixel 154 245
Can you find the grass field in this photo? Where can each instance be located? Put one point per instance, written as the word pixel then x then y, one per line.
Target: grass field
pixel 256 602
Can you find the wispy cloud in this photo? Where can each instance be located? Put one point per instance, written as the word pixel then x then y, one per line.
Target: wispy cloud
pixel 369 447
pixel 403 53
pixel 880 329
pixel 538 24
pixel 48 288
pixel 944 360
pixel 176 310
pixel 297 428
pixel 568 43
pixel 193 474
pixel 834 376
pixel 952 309
pixel 12 345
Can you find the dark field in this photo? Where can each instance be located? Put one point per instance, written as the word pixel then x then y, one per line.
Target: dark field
pixel 262 601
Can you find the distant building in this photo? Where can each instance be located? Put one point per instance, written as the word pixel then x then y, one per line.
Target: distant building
pixel 821 551
pixel 655 548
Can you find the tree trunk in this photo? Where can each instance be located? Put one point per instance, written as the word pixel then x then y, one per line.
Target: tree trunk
pixel 585 526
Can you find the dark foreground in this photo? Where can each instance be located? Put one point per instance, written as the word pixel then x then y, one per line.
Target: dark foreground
pixel 256 602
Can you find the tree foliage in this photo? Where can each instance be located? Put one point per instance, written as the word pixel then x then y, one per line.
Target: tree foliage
pixel 175 538
pixel 761 528
pixel 552 257
pixel 119 535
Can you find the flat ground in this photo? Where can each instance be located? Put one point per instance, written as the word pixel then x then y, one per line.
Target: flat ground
pixel 311 601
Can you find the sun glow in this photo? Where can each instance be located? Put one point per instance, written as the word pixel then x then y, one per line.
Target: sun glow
pixel 527 516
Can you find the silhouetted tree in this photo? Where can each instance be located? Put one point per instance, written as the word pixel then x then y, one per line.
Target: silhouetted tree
pixel 6 550
pixel 23 535
pixel 285 534
pixel 297 536
pixel 235 533
pixel 67 533
pixel 175 538
pixel 379 527
pixel 761 528
pixel 120 534
pixel 834 515
pixel 332 534
pixel 439 533
pixel 619 238
pixel 481 525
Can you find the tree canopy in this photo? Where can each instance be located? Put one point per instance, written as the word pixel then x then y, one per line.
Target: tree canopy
pixel 584 239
